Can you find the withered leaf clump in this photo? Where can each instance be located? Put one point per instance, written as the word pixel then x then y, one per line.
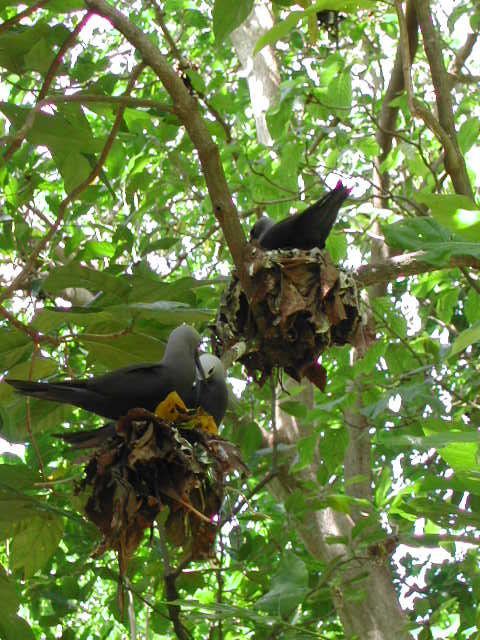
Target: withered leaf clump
pixel 301 305
pixel 152 463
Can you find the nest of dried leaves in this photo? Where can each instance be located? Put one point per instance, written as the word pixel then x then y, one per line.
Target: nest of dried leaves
pixel 302 304
pixel 155 461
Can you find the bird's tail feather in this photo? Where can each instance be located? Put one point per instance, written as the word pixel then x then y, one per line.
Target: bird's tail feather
pixel 88 439
pixel 55 392
pixel 323 213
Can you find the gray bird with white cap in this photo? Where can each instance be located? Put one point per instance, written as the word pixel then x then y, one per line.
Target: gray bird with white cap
pixel 140 385
pixel 199 379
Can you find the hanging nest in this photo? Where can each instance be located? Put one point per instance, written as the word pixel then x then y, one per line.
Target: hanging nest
pixel 301 305
pixel 173 459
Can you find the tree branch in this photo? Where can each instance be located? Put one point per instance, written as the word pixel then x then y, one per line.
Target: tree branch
pixel 187 110
pixel 463 53
pixel 444 128
pixel 407 264
pixel 388 113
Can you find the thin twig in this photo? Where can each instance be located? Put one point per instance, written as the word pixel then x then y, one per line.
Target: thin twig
pixel 239 506
pixel 69 42
pixel 273 410
pixel 171 592
pixel 5 26
pixel 473 283
pixel 34 335
pixel 29 419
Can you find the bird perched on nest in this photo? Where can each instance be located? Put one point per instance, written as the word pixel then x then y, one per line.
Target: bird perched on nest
pixel 213 391
pixel 211 394
pixel 141 385
pixel 304 230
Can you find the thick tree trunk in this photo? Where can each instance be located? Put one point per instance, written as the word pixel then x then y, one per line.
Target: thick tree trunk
pixel 261 70
pixel 377 615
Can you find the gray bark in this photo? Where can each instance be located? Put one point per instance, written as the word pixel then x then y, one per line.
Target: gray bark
pixel 261 70
pixel 378 615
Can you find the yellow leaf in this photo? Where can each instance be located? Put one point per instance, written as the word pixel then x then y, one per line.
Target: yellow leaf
pixel 171 408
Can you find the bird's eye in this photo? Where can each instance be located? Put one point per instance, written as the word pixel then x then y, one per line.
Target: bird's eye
pixel 210 371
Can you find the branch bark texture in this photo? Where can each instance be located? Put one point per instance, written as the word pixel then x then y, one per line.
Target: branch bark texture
pixel 407 264
pixel 454 161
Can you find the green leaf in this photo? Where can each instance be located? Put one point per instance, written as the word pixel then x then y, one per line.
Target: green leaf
pixel 288 588
pixel 343 6
pixel 74 275
pixel 95 249
pixel 8 594
pixel 472 307
pixel 468 134
pixel 462 457
pixel 40 56
pixel 35 543
pixel 50 320
pixel 336 246
pixel 52 131
pixel 465 339
pixel 124 350
pixel 163 244
pixel 13 627
pixel 44 416
pixel 283 28
pixel 165 312
pixel 15 509
pixel 293 408
pixel 74 168
pixel 228 15
pixel 14 345
pixel 455 212
pixel 278 31
pixel 17 43
pixel 427 235
pixel 427 442
pixel 17 477
pixel 339 94
pixel 306 448
pixel 339 502
pixel 369 147
pixel 415 233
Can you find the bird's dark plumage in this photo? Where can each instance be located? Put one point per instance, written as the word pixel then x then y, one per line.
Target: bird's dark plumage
pixel 143 385
pixel 212 397
pixel 213 391
pixel 305 230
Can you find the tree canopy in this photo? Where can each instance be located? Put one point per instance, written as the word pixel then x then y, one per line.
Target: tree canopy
pixel 140 142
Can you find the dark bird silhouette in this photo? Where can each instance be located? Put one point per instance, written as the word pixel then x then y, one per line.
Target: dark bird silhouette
pixel 141 385
pixel 304 230
pixel 212 397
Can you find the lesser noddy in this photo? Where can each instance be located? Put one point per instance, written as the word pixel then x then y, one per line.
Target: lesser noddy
pixel 304 230
pixel 213 391
pixel 212 397
pixel 141 385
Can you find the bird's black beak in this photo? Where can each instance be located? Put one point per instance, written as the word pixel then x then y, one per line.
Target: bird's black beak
pixel 199 366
